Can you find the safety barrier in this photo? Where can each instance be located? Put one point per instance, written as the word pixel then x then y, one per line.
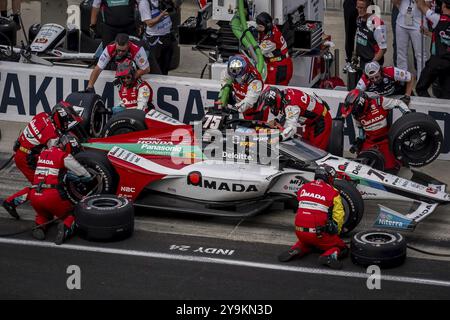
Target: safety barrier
pixel 27 89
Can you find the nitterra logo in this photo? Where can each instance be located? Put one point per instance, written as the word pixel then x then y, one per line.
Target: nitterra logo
pixel 305 193
pixel 195 179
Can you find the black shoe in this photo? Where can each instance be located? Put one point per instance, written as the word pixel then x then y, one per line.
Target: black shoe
pixel 63 233
pixel 288 255
pixel 11 209
pixel 16 20
pixel 38 234
pixel 331 261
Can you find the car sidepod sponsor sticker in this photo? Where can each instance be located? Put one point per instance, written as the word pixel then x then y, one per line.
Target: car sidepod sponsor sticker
pixel 390 219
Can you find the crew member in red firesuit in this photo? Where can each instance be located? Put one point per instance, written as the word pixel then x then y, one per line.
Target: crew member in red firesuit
pixel 387 81
pixel 134 93
pixel 370 115
pixel 275 50
pixel 42 131
pixel 122 48
pixel 319 220
pixel 247 85
pixel 299 108
pixel 48 196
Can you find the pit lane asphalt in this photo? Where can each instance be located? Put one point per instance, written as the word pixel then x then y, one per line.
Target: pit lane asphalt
pixel 146 267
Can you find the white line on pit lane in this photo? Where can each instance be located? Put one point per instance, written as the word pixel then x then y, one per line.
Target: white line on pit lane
pixel 240 263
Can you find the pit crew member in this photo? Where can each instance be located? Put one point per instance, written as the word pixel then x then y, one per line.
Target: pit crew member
pixel 122 48
pixel 319 220
pixel 370 114
pixel 438 66
pixel 299 108
pixel 48 196
pixel 386 81
pixel 42 131
pixel 134 93
pixel 247 85
pixel 275 50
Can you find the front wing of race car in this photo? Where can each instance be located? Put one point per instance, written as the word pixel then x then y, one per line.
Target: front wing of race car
pixel 424 196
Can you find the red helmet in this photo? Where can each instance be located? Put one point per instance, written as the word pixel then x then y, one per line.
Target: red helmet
pixel 63 115
pixel 271 97
pixel 125 70
pixel 356 103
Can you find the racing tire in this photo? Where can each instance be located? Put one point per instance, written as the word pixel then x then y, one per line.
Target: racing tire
pixel 104 218
pixel 97 164
pixel 336 141
pixel 381 248
pixel 372 158
pixel 353 204
pixel 93 111
pixel 415 139
pixel 125 122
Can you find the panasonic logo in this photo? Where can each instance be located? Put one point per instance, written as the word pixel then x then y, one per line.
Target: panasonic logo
pixel 305 193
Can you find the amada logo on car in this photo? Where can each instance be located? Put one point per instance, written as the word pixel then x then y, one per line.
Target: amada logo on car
pixel 195 179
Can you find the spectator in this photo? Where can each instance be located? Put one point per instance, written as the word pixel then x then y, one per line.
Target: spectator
pixel 117 52
pixel 15 9
pixel 408 25
pixel 371 35
pixel 350 16
pixel 157 37
pixel 118 17
pixel 438 66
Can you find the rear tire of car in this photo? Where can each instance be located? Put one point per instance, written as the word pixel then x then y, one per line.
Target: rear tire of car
pixel 372 158
pixel 125 122
pixel 96 163
pixel 381 248
pixel 94 113
pixel 336 141
pixel 416 139
pixel 105 218
pixel 353 204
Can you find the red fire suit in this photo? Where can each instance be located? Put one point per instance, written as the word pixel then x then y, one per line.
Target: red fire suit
pixel 139 96
pixel 276 53
pixel 375 126
pixel 392 77
pixel 39 132
pixel 47 195
pixel 304 109
pixel 246 93
pixel 135 53
pixel 318 202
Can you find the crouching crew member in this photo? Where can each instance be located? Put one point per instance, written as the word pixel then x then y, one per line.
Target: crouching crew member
pixel 319 220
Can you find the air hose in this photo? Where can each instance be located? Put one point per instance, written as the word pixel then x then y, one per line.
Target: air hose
pixel 240 30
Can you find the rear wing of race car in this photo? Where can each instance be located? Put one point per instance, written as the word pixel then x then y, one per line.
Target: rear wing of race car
pixel 391 219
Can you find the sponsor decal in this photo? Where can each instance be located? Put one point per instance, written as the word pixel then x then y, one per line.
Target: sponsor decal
pixel 128 189
pixel 343 167
pixel 305 193
pixel 150 140
pixel 195 179
pixel 367 194
pixel 236 156
pixel 431 190
pixel 47 162
pixel 357 169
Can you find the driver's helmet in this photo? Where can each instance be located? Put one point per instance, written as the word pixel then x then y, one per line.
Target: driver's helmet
pixel 356 103
pixel 373 71
pixel 237 68
pixel 264 19
pixel 125 72
pixel 271 97
pixel 68 143
pixel 325 173
pixel 63 115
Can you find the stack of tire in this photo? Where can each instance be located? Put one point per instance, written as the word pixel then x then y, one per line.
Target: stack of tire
pixel 381 248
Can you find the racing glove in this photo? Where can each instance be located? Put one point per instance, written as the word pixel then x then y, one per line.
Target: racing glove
pixel 331 227
pixel 92 32
pixel 118 109
pixel 406 99
pixel 356 146
pixel 90 90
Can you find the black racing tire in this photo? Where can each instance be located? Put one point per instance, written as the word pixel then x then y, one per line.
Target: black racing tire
pixel 416 139
pixel 125 122
pixel 104 218
pixel 372 158
pixel 381 248
pixel 353 204
pixel 94 112
pixel 336 141
pixel 106 179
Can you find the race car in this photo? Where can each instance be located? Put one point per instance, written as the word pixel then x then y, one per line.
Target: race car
pixel 162 164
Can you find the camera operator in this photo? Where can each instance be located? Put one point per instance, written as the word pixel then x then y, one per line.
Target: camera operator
pixel 439 64
pixel 118 17
pixel 157 37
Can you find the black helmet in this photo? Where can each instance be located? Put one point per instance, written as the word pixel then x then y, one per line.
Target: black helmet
pixel 271 97
pixel 265 19
pixel 63 115
pixel 325 173
pixel 356 103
